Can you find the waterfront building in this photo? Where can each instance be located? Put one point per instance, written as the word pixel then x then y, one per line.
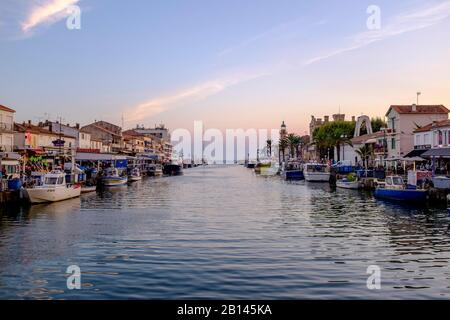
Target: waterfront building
pixel 109 134
pixel 161 137
pixel 432 140
pixel 6 129
pixel 29 137
pixel 403 121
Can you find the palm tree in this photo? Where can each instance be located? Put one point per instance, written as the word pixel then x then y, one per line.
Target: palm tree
pixel 293 142
pixel 269 147
pixel 282 145
pixel 365 152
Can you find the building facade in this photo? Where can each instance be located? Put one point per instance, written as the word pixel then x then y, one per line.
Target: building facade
pixel 6 129
pixel 36 138
pixel 108 134
pixel 403 121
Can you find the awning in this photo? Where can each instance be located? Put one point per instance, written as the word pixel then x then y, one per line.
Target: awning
pixel 440 152
pixel 415 153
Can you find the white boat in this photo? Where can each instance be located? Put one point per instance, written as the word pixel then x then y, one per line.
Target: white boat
pixel 88 189
pixel 316 172
pixel 113 179
pixel 154 170
pixel 54 188
pixel 135 175
pixel 346 184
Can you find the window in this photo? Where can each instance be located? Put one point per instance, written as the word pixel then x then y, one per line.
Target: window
pixel 393 146
pixel 393 124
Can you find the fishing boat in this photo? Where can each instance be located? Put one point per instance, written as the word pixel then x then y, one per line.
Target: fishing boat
pixel 135 175
pixel 113 179
pixel 88 189
pixel 262 166
pixel 272 170
pixel 154 170
pixel 54 188
pixel 293 170
pixel 316 172
pixel 251 165
pixel 173 169
pixel 346 183
pixel 394 188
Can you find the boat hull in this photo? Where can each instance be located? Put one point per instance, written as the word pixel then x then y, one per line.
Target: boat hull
pixel 353 185
pixel 172 170
pixel 402 195
pixel 317 176
pixel 294 175
pixel 134 179
pixel 88 189
pixel 44 195
pixel 114 181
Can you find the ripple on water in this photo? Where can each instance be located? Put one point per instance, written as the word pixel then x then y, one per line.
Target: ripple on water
pixel 224 233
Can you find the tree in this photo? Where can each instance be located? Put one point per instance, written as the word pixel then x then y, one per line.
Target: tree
pixel 282 145
pixel 377 124
pixel 334 135
pixel 365 152
pixel 293 142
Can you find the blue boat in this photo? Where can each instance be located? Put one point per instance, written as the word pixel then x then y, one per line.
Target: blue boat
pixel 395 189
pixel 293 170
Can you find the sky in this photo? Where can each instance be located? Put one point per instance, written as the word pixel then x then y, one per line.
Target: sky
pixel 229 63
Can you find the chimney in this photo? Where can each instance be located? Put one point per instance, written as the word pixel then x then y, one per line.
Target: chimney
pixel 29 122
pixel 77 125
pixel 414 108
pixel 327 119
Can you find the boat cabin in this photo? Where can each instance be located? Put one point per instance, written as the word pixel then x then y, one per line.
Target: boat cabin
pixel 54 179
pixel 316 167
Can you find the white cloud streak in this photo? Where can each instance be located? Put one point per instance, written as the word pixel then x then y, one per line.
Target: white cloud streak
pixel 46 12
pixel 401 24
pixel 198 92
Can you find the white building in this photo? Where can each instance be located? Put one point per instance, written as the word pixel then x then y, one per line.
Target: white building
pixel 6 129
pixel 402 122
pixel 432 136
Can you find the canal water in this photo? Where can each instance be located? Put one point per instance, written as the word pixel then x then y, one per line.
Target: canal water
pixel 224 233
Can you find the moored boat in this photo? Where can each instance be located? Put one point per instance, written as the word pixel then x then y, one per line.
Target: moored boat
pixel 113 179
pixel 154 170
pixel 53 189
pixel 394 189
pixel 135 175
pixel 316 172
pixel 293 170
pixel 88 189
pixel 348 184
pixel 172 169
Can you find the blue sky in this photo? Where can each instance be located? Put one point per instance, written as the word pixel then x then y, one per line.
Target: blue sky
pixel 231 64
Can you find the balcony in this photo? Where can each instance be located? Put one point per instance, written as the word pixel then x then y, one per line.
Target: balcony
pixel 6 127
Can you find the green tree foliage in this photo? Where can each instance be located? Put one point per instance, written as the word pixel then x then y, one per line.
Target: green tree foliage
pixel 377 124
pixel 334 135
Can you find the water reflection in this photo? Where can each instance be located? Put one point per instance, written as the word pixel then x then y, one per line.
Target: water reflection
pixel 224 233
